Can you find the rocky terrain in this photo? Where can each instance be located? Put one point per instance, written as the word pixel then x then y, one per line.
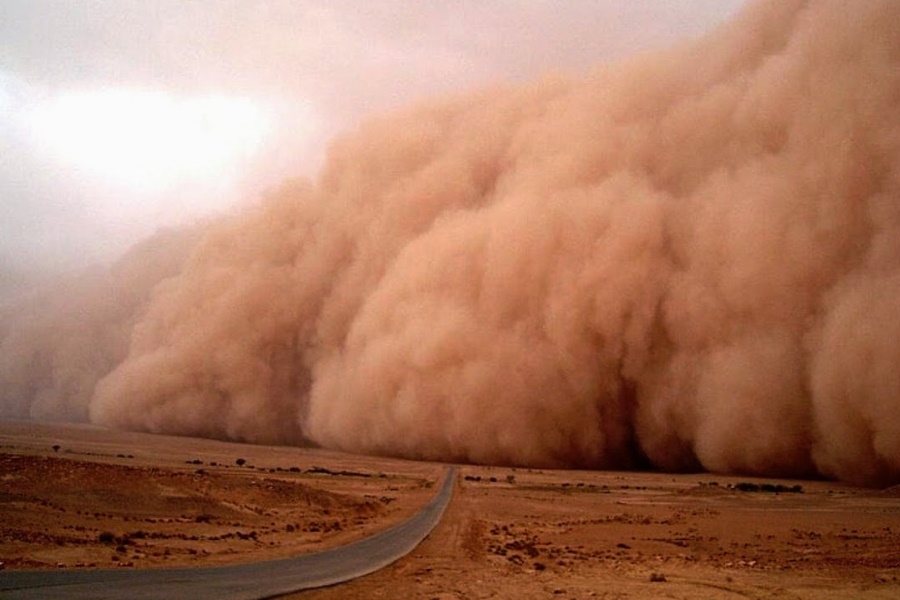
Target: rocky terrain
pixel 82 497
pixel 76 497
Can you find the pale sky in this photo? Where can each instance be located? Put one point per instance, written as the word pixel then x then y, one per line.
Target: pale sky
pixel 121 116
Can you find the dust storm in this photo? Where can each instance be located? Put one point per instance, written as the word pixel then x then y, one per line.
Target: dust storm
pixel 686 260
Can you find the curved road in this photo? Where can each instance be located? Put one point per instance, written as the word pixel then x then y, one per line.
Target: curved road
pixel 251 581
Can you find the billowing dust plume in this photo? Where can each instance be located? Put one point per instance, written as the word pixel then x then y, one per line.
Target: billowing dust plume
pixel 691 260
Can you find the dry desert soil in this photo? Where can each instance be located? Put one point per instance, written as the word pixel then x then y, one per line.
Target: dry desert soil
pixel 83 497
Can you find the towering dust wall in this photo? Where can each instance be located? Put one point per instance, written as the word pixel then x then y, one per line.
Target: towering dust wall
pixel 691 258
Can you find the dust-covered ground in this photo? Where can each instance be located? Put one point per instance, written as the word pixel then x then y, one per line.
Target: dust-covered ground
pixel 105 498
pixel 79 496
pixel 564 534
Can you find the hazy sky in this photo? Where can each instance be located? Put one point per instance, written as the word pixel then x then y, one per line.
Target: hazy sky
pixel 119 116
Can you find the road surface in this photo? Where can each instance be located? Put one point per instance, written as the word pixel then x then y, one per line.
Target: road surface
pixel 251 581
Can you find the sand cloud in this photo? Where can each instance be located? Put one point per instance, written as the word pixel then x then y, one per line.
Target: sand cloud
pixel 688 260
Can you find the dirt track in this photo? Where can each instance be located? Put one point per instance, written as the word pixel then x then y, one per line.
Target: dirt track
pixel 510 533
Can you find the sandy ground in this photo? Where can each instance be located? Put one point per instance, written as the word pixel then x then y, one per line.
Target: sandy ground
pixel 75 496
pixel 106 498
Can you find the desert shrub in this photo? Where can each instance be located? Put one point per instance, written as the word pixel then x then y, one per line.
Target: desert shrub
pixel 106 537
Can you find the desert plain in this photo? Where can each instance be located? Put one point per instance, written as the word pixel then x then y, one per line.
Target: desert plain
pixel 81 497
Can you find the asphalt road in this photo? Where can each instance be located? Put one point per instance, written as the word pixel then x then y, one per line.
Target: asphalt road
pixel 251 581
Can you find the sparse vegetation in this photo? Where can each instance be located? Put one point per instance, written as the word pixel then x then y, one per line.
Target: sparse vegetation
pixel 341 473
pixel 106 537
pixel 772 488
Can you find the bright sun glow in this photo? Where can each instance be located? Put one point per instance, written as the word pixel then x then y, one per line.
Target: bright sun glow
pixel 150 141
